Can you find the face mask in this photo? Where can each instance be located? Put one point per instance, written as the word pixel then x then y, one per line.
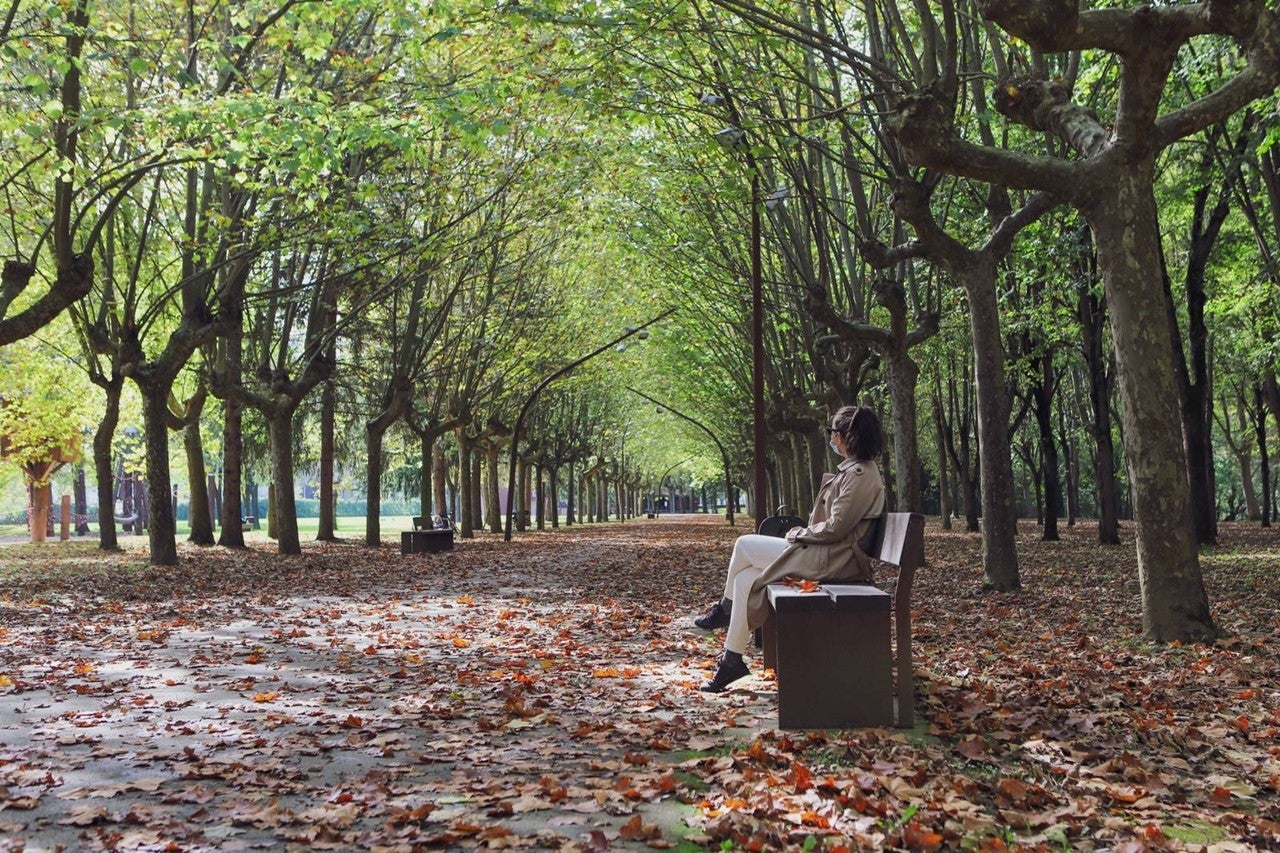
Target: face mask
pixel 834 449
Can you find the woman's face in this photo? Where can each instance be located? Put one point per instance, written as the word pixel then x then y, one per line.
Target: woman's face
pixel 837 441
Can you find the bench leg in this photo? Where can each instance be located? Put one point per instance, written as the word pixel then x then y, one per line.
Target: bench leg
pixel 770 634
pixel 833 670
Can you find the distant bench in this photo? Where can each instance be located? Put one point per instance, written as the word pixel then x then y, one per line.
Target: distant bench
pixel 831 648
pixel 424 538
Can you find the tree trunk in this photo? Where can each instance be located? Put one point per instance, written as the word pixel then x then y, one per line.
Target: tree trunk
pixel 1174 603
pixel 467 530
pixel 215 499
pixel 198 515
pixel 1043 395
pixel 901 376
pixel 81 495
pixel 1092 313
pixel 553 496
pixel 283 506
pixel 1194 397
pixel 1071 452
pixel 273 508
pixel 233 511
pixel 520 507
pixel 475 474
pixel 944 484
pixel 1241 449
pixel 539 501
pixel 426 488
pixel 570 498
pixel 373 480
pixel 162 527
pixel 38 500
pixel 1264 464
pixel 999 506
pixel 103 470
pixel 327 530
pixel 441 469
pixel 493 504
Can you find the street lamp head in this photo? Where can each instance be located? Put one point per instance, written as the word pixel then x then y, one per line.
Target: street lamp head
pixel 643 334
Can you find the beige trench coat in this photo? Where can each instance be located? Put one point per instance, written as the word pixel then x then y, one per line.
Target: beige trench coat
pixel 833 547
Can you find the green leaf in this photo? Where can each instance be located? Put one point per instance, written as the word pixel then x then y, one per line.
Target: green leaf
pixel 37 84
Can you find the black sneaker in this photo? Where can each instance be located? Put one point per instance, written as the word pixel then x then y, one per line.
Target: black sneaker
pixel 731 668
pixel 716 617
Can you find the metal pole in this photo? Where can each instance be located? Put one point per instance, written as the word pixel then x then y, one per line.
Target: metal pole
pixel 758 428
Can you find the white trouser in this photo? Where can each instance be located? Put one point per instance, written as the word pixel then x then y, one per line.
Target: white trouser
pixel 752 554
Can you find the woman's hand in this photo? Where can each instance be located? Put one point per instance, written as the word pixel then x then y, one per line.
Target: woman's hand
pixel 791 534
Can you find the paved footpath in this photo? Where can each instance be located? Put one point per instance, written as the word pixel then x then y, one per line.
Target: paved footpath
pixel 464 703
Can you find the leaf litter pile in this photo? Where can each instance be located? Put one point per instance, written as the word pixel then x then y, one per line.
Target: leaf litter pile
pixel 544 694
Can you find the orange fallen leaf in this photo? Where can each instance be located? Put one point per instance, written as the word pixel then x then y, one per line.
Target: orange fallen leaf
pixel 265 697
pixel 637 830
pixel 1221 796
pixel 1126 795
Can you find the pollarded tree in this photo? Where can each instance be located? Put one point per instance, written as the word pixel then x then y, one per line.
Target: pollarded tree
pixel 878 56
pixel 1111 182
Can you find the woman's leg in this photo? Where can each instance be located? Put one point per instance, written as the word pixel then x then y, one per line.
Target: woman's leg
pixel 751 551
pixel 739 633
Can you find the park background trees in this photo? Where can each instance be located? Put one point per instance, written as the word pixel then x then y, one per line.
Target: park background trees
pixel 340 244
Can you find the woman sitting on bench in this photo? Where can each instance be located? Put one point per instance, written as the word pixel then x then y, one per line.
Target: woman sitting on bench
pixel 833 547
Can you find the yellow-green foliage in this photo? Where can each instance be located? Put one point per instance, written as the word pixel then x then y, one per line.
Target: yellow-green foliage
pixel 42 407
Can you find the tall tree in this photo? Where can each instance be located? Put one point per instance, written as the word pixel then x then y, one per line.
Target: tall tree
pixel 1112 185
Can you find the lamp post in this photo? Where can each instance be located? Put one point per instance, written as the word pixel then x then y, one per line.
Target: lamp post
pixel 724 456
pixel 733 138
pixel 528 404
pixel 759 437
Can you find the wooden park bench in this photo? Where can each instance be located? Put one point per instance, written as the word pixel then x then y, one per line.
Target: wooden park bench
pixel 425 537
pixel 831 648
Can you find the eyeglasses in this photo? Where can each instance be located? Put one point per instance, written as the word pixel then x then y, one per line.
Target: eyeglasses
pixel 830 431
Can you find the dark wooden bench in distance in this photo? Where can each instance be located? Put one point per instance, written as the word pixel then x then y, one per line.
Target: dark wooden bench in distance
pixel 423 539
pixel 831 648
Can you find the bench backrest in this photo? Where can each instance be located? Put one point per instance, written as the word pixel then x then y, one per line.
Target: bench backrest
pixel 899 541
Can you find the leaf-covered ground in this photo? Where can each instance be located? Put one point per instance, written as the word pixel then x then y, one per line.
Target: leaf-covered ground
pixel 543 693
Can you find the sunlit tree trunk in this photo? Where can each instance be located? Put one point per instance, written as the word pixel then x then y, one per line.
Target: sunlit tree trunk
pixel 465 485
pixel 327 524
pixel 200 515
pixel 162 526
pixel 440 464
pixel 103 467
pixel 284 505
pixel 1124 230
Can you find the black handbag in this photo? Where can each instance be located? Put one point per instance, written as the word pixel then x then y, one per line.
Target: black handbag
pixel 779 523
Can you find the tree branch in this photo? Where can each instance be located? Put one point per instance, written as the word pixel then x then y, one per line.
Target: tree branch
pixel 922 126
